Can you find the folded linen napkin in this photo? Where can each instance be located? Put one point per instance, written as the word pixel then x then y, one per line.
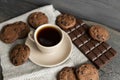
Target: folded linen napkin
pixel 29 70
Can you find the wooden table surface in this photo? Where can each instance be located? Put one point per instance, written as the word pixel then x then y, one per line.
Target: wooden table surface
pixel 106 12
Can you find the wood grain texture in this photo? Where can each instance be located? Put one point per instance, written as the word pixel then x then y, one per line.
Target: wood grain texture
pixel 106 12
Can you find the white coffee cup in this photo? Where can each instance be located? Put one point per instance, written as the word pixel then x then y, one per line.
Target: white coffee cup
pixel 33 36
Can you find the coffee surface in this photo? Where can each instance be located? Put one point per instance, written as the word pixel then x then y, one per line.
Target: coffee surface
pixel 48 36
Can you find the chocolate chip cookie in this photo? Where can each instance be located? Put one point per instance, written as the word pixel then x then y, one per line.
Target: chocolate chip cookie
pixel 99 33
pixel 87 72
pixel 66 73
pixel 9 33
pixel 24 29
pixel 66 21
pixel 13 31
pixel 37 18
pixel 19 54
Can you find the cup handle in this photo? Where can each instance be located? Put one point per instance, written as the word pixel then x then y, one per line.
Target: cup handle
pixel 31 36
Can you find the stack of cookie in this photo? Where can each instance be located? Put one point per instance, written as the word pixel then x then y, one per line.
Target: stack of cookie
pixel 14 31
pixel 84 72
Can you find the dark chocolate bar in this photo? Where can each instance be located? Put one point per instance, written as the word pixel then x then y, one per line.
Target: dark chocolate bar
pixel 99 53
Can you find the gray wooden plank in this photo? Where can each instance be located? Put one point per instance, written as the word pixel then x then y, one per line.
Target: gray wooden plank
pixel 105 12
pixel 12 8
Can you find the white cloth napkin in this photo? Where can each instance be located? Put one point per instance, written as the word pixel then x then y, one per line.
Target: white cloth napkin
pixel 29 70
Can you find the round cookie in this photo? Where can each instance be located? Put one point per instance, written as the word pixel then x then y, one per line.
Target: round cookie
pixel 66 73
pixel 37 18
pixel 9 34
pixel 13 31
pixel 19 54
pixel 87 72
pixel 99 33
pixel 66 21
pixel 24 29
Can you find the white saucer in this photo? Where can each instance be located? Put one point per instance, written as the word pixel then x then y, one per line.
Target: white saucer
pixel 52 59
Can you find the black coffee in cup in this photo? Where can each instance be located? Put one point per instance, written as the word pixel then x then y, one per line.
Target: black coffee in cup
pixel 49 36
